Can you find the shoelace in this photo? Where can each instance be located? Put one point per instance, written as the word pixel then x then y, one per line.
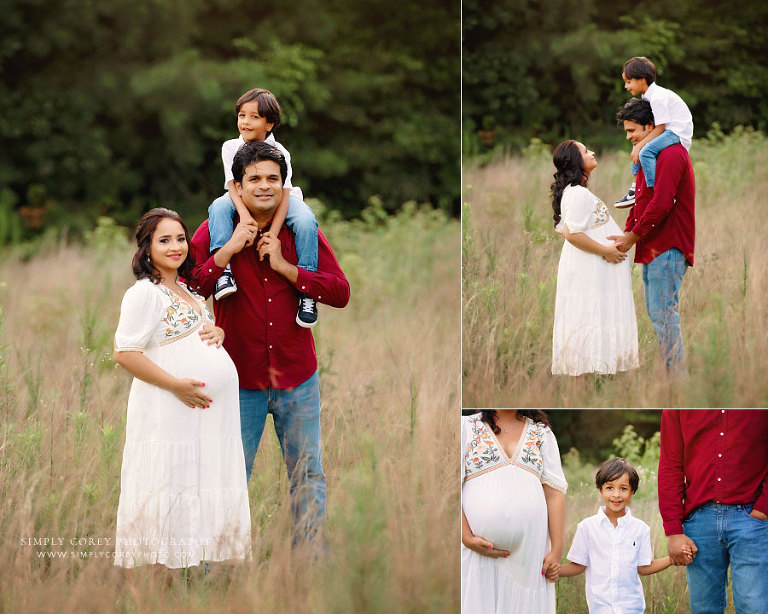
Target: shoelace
pixel 307 304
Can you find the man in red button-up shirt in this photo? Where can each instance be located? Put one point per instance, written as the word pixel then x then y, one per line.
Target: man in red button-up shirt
pixel 713 497
pixel 275 357
pixel 662 227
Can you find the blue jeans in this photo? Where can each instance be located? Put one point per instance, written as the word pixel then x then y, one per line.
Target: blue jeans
pixel 301 219
pixel 727 535
pixel 296 414
pixel 650 152
pixel 663 277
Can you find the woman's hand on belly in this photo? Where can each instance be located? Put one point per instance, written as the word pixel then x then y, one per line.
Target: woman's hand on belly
pixel 484 547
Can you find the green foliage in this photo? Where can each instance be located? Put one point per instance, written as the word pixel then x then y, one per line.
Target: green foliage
pixel 110 108
pixel 559 76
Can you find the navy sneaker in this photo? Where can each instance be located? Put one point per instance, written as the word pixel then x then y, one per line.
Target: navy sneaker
pixel 225 285
pixel 627 200
pixel 306 317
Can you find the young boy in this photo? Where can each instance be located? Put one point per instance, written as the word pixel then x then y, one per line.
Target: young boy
pixel 258 114
pixel 674 123
pixel 613 546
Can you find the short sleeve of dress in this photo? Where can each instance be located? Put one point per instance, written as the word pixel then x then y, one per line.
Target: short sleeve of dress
pixel 577 205
pixel 464 440
pixel 645 552
pixel 140 312
pixel 579 552
pixel 552 471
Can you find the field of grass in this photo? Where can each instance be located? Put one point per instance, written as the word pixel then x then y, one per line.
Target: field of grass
pixel 510 257
pixel 389 368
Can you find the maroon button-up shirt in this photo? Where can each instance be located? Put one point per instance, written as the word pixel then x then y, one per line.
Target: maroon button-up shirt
pixel 267 346
pixel 718 455
pixel 663 216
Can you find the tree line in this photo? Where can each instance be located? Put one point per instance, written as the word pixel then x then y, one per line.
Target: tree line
pixel 111 107
pixel 551 69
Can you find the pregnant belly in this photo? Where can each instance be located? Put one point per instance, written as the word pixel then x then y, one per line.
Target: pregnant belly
pixel 502 514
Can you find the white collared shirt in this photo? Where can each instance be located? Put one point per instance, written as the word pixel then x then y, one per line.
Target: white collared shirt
pixel 612 556
pixel 229 149
pixel 669 109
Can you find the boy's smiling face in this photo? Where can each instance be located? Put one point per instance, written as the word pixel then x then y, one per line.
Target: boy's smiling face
pixel 616 494
pixel 635 87
pixel 251 125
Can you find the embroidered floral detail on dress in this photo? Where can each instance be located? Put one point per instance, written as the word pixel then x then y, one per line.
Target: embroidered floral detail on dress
pixel 179 317
pixel 481 449
pixel 530 452
pixel 601 213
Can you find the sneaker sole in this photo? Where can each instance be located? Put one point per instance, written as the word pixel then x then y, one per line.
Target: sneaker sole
pixel 624 205
pixel 305 324
pixel 225 292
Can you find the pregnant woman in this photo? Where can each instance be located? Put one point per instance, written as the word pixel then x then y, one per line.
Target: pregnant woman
pixel 183 492
pixel 595 329
pixel 513 513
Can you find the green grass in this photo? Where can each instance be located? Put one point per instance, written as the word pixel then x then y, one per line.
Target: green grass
pixel 389 375
pixel 510 256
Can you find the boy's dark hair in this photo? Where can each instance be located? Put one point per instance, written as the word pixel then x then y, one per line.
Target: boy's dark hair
pixel 257 151
pixel 269 108
pixel 640 67
pixel 636 110
pixel 613 469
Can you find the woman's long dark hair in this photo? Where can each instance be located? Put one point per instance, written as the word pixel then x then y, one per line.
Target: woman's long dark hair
pixel 489 417
pixel 570 171
pixel 143 268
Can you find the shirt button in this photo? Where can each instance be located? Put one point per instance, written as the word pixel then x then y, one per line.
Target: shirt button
pixel 319 297
pixel 210 270
pixel 270 323
pixel 265 279
pixel 721 434
pixel 722 411
pixel 269 300
pixel 719 456
pixel 303 287
pixel 719 479
pixel 270 347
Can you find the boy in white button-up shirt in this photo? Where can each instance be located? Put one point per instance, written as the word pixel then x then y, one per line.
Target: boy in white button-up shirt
pixel 673 119
pixel 613 546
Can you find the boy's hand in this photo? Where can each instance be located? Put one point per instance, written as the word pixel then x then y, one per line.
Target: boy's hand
pixel 550 567
pixel 269 245
pixel 247 219
pixel 636 153
pixel 484 547
pixel 681 549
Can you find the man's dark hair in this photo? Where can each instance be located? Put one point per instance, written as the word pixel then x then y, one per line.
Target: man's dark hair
pixel 613 469
pixel 257 151
pixel 640 68
pixel 635 110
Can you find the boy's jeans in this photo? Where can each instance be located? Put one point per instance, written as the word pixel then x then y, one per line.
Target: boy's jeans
pixel 296 414
pixel 727 534
pixel 650 152
pixel 300 219
pixel 663 277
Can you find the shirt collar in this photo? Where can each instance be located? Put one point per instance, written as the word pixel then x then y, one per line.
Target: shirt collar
pixel 621 521
pixel 650 90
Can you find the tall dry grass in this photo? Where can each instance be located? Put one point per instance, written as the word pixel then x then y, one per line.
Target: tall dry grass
pixel 389 374
pixel 510 257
